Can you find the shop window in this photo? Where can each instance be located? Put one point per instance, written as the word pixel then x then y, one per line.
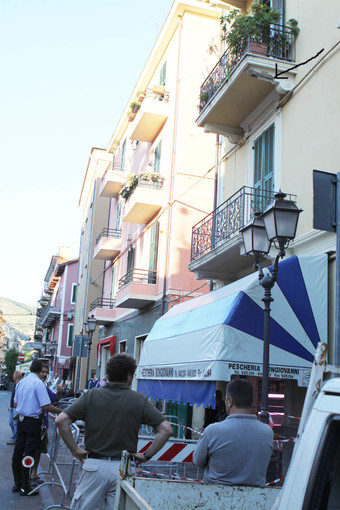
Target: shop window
pixel 122 346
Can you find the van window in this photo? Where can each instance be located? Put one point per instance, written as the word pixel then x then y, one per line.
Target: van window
pixel 323 492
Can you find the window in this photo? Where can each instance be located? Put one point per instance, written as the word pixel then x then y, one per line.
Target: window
pixel 118 215
pixel 153 254
pixel 122 346
pixel 264 168
pixel 130 260
pixel 139 342
pixel 162 74
pixel 157 162
pixel 73 293
pixel 122 160
pixel 113 285
pixel 323 489
pixel 70 335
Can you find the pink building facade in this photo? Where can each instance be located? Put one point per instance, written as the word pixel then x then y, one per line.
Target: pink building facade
pixel 56 314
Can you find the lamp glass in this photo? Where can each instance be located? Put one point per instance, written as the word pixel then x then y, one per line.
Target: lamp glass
pixel 248 239
pixel 261 242
pixel 92 324
pixel 255 237
pixel 286 223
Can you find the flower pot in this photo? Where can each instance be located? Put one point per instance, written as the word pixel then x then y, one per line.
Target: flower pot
pixel 258 47
pixel 131 117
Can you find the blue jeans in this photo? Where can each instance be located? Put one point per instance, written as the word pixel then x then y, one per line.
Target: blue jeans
pixel 13 423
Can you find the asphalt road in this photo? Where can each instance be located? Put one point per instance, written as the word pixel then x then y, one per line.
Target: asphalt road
pixel 48 495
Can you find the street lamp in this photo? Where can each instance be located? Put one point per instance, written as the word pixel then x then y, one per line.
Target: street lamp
pixel 276 225
pixel 90 327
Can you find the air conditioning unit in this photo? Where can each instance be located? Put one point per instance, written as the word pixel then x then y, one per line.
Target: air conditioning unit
pixel 70 315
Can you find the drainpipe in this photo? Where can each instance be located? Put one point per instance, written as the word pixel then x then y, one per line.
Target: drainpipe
pixel 172 174
pixel 216 179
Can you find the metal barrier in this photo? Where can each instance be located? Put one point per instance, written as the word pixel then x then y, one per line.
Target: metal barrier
pixel 62 465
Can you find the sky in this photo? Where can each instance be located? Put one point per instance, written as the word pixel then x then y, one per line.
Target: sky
pixel 68 68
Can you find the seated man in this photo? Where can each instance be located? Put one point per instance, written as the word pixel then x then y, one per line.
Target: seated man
pixel 237 450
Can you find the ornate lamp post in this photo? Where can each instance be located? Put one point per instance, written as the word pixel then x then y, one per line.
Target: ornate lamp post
pixel 276 225
pixel 90 327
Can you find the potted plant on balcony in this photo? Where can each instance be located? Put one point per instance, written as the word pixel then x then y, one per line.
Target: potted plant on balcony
pixel 134 106
pixel 251 30
pixel 151 176
pixel 129 186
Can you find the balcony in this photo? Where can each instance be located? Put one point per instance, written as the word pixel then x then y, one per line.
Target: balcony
pixel 108 244
pixel 137 289
pixel 144 202
pixel 112 180
pixel 49 316
pixel 216 240
pixel 103 310
pixel 238 84
pixel 151 116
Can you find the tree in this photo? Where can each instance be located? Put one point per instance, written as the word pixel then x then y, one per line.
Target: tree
pixel 11 358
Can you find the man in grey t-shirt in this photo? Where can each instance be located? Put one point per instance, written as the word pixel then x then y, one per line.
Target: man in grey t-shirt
pixel 237 450
pixel 112 416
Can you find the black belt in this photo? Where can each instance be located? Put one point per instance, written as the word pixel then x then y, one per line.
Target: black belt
pixel 101 457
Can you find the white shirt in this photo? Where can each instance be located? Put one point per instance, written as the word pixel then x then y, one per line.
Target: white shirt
pixel 31 395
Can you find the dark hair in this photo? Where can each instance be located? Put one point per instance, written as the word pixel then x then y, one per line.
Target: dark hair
pixel 120 366
pixel 36 366
pixel 241 392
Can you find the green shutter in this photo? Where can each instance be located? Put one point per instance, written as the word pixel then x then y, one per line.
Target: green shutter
pixel 154 231
pixel 157 162
pixel 264 167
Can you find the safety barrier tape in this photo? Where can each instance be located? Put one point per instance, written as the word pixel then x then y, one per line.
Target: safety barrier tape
pixel 185 427
pixel 278 480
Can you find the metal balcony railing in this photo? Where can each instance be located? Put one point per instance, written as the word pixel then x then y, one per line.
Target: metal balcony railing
pixel 225 222
pixel 278 42
pixel 145 276
pixel 109 232
pixel 117 167
pixel 102 303
pixel 49 316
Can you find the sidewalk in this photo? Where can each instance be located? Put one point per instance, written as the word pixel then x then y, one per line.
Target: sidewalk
pixel 48 495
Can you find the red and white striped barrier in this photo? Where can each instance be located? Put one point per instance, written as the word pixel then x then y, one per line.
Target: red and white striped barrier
pixel 172 451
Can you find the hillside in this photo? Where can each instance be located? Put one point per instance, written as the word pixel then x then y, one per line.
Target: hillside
pixel 18 315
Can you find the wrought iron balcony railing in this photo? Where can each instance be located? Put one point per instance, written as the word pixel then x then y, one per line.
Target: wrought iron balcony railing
pixel 109 232
pixel 277 42
pixel 225 222
pixel 145 276
pixel 102 303
pixel 115 166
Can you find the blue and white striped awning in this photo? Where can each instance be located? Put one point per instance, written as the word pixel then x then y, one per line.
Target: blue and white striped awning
pixel 220 334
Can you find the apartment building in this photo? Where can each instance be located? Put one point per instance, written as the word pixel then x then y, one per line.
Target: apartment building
pixel 55 313
pixel 275 110
pixel 159 182
pixel 90 274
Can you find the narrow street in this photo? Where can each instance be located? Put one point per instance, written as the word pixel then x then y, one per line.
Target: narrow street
pixel 9 500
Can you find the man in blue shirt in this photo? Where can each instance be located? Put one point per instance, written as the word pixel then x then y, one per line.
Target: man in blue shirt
pixel 31 399
pixel 43 443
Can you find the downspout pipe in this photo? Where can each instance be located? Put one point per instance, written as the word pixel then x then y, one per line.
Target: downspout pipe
pixel 172 175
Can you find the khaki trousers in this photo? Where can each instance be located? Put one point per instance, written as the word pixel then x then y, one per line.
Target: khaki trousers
pixel 96 489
